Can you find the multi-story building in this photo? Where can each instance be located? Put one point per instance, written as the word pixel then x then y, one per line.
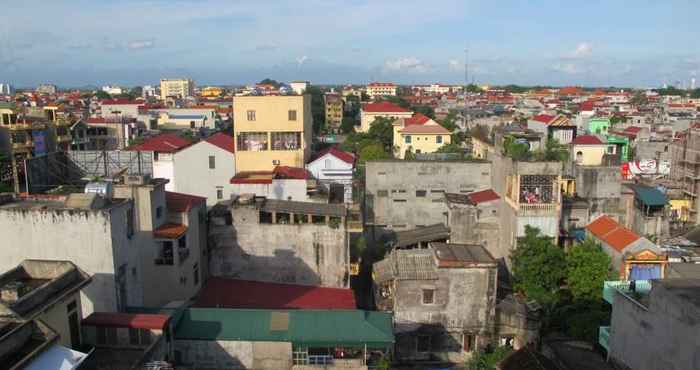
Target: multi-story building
pixel 299 87
pixel 23 136
pixel 376 89
pixel 372 111
pixel 334 167
pixel 46 89
pixel 6 89
pixel 212 92
pixel 418 134
pixel 334 111
pixel 685 168
pixel 179 88
pixel 272 131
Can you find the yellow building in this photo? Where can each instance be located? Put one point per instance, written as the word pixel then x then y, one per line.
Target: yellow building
pixel 334 111
pixel 271 131
pixel 588 150
pixel 418 134
pixel 376 89
pixel 180 88
pixel 482 149
pixel 212 92
pixel 372 111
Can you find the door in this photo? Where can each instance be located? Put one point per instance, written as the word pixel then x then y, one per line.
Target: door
pixel 74 327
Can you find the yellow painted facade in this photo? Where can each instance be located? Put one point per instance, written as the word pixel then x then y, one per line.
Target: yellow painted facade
pixel 177 87
pixel 589 155
pixel 681 208
pixel 481 149
pixel 212 92
pixel 418 142
pixel 272 130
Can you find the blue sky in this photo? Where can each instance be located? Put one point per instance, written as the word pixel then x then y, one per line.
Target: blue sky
pixel 595 42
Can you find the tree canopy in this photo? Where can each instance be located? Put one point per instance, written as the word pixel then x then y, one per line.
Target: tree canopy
pixel 695 94
pixel 102 95
pixel 318 108
pixel 425 110
pixel 489 359
pixel 587 268
pixel 269 81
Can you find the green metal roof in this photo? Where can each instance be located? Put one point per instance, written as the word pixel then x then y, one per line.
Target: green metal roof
pixel 314 328
pixel 649 196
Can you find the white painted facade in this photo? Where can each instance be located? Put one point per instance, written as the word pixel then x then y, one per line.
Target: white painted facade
pixel 281 189
pixel 164 168
pixel 191 173
pixel 329 169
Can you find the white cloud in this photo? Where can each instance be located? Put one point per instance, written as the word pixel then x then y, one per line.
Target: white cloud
pixel 583 50
pixel 302 59
pixel 568 68
pixel 140 44
pixel 406 64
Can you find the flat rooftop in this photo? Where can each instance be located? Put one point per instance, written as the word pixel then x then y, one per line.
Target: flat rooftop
pixel 687 290
pixel 74 201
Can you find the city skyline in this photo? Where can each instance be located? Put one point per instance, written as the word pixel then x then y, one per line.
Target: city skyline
pixel 331 42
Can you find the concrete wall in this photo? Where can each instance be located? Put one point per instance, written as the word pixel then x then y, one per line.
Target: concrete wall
pixel 663 335
pixel 234 354
pixel 401 179
pixel 94 240
pixel 658 150
pixel 57 318
pixel 164 168
pixel 288 253
pixel 192 174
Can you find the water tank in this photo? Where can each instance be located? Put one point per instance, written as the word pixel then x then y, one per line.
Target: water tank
pixel 102 188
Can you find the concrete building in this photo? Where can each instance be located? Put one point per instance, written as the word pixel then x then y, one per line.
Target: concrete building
pixel 299 87
pixel 443 300
pixel 164 148
pixel 24 136
pixel 186 118
pixel 334 167
pixel 48 291
pixel 279 241
pixel 282 183
pixel 111 133
pixel 378 89
pixel 407 194
pixel 272 131
pixel 334 111
pixel 418 134
pixel 557 127
pixel 646 210
pixel 685 168
pixel 113 90
pixel 177 88
pixel 646 328
pixel 589 150
pixel 46 89
pixel 371 111
pixel 132 243
pixel 117 108
pixel 6 89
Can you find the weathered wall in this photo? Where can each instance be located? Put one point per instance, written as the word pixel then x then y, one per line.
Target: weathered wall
pixel 234 354
pixel 658 150
pixel 192 174
pixel 287 253
pixel 663 337
pixel 401 207
pixel 57 318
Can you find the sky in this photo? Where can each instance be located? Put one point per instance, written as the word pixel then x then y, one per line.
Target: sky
pixel 643 43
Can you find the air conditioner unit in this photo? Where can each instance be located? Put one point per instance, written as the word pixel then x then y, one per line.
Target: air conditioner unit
pixel 276 162
pixel 136 179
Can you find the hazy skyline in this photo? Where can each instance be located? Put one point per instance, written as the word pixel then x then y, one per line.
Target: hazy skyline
pixel 593 43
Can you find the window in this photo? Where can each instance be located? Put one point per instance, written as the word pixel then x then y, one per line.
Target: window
pixel 195 273
pixel 382 193
pixel 423 343
pixel 252 141
pixel 212 162
pixel 399 200
pixel 286 140
pixel 327 164
pixel 407 139
pixel 428 296
pixel 467 342
pixel 438 139
pixel 191 124
pixel 421 193
pixel 611 149
pixel 159 212
pixel 219 194
pixel 155 156
pixel 251 115
pixel 292 115
pixel 129 223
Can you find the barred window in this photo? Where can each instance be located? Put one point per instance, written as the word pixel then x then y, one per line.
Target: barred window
pixel 252 141
pixel 286 140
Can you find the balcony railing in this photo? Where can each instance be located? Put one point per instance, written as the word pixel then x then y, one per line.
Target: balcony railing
pixel 604 337
pixel 625 287
pixel 539 208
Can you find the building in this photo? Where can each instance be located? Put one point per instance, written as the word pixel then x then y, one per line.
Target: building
pixel 164 148
pixel 113 90
pixel 148 91
pixel 334 111
pixel 646 210
pixel 372 111
pixel 135 240
pixel 279 241
pixel 118 108
pixel 176 88
pixel 48 291
pixel 272 131
pixel 651 320
pixel 218 338
pixel 24 136
pixel 299 87
pixel 334 168
pixel 47 89
pixel 193 118
pixel 282 183
pixel 111 133
pixel 418 134
pixel 378 89
pixel 212 92
pixel 126 341
pixel 589 150
pixel 557 127
pixel 632 257
pixel 6 89
pixel 685 168
pixel 408 194
pixel 443 299
pixel 598 125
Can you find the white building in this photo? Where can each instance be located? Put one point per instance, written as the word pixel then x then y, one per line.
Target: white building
pixel 149 91
pixel 164 147
pixel 178 88
pixel 186 118
pixel 6 89
pixel 376 89
pixel 282 183
pixel 112 90
pixel 334 166
pixel 46 89
pixel 299 86
pixel 112 108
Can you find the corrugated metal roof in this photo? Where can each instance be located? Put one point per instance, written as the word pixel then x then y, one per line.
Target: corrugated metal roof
pixel 461 255
pixel 304 208
pixel 650 196
pixel 126 320
pixel 421 234
pixel 304 327
pixel 406 264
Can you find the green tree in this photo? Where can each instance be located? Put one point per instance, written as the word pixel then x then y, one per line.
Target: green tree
pixel 102 95
pixel 269 81
pixel 539 268
pixel 450 148
pixel 695 94
pixel 671 91
pixel 517 151
pixel 449 122
pixel 136 92
pixel 472 88
pixel 425 110
pixel 382 130
pixel 318 108
pixel 480 132
pixel 587 268
pixel 639 98
pixel 614 120
pixel 401 102
pixel 373 152
pixel 409 155
pixel 554 151
pixel 348 125
pixel 488 360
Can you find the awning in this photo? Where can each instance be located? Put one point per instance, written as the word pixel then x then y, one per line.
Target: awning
pixel 58 358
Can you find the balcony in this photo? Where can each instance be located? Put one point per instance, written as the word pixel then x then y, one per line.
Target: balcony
pixel 528 209
pixel 604 337
pixel 624 288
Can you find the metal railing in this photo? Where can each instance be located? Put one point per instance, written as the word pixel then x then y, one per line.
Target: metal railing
pixel 625 287
pixel 604 337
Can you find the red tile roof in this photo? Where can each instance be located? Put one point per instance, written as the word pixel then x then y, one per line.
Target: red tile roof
pixel 170 231
pixel 483 196
pixel 587 140
pixel 633 129
pixel 126 320
pixel 120 102
pixel 416 119
pixel 231 293
pixel 291 173
pixel 252 177
pixel 383 107
pixel 163 143
pixel 221 140
pixel 544 118
pixel 179 202
pixel 334 151
pixel 612 233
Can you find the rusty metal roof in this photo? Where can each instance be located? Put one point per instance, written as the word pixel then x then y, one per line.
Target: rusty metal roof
pixel 461 255
pixel 304 208
pixel 421 234
pixel 406 264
